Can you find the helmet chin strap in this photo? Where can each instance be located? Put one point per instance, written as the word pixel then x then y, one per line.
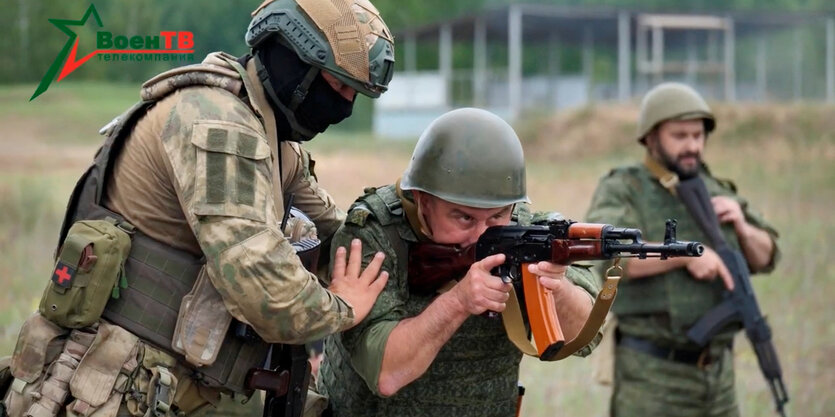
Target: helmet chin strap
pixel 300 133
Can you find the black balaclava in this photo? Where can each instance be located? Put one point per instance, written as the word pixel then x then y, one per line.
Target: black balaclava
pixel 286 75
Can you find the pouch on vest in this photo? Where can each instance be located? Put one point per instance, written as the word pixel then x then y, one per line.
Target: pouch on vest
pixel 104 373
pixel 202 323
pixel 88 271
pixel 44 361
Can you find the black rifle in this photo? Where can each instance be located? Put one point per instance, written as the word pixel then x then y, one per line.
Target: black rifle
pixel 286 376
pixel 740 305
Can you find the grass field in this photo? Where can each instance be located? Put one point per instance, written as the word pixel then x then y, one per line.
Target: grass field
pixel 780 156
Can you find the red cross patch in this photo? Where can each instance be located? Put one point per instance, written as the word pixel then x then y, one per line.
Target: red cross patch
pixel 63 275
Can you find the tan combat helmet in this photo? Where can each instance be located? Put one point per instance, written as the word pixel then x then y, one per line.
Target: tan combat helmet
pixel 672 101
pixel 348 38
pixel 470 157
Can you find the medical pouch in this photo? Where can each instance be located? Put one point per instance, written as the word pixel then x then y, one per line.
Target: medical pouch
pixel 89 270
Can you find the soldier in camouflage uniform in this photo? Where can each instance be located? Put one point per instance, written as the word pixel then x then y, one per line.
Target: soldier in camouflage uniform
pixel 658 371
pixel 201 169
pixel 433 353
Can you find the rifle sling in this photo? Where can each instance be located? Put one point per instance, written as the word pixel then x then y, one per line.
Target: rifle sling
pixel 693 194
pixel 515 326
pixel 668 179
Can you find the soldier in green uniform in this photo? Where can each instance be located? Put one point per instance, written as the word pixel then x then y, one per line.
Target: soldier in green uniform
pixel 658 371
pixel 198 174
pixel 429 351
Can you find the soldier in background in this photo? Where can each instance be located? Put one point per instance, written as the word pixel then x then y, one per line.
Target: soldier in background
pixel 198 173
pixel 426 349
pixel 658 370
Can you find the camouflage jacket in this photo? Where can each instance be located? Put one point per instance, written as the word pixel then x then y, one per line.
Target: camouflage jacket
pixel 212 176
pixel 474 374
pixel 663 307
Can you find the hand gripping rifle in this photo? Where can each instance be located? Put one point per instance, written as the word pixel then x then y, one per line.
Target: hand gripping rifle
pixel 565 242
pixel 740 305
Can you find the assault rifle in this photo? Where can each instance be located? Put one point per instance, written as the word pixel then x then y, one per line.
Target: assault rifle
pixel 740 305
pixel 565 242
pixel 286 375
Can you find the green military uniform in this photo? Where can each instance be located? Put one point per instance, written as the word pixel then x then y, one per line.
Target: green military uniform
pixel 474 374
pixel 660 309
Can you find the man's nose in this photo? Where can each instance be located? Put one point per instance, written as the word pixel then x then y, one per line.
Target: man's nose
pixel 476 233
pixel 693 144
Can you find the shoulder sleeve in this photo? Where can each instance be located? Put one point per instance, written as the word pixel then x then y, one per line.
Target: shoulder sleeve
pixel 313 200
pixel 366 342
pixel 757 220
pixel 582 276
pixel 613 203
pixel 222 168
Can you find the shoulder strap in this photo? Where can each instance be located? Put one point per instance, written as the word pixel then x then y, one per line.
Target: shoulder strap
pixel 667 178
pixel 88 191
pixel 384 204
pixel 693 193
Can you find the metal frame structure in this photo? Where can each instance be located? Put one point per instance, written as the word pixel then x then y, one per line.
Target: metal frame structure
pixel 649 35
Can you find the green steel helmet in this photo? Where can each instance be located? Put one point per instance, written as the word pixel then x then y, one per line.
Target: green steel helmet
pixel 348 38
pixel 470 157
pixel 672 101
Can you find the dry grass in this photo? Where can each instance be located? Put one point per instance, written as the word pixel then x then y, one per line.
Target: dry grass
pixel 781 157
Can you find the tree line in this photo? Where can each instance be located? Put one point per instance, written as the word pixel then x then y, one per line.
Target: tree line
pixel 31 42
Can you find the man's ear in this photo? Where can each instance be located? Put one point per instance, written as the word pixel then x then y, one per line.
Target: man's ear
pixel 652 136
pixel 422 200
pixel 651 141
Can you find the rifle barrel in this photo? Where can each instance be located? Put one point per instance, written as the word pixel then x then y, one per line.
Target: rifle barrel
pixel 661 249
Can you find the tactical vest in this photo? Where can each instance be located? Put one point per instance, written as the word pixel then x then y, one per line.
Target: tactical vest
pixel 675 292
pixel 384 205
pixel 478 362
pixel 158 275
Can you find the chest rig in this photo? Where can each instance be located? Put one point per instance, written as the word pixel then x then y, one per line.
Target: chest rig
pixel 158 275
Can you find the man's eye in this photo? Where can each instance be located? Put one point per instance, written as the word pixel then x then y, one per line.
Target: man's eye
pixel 464 218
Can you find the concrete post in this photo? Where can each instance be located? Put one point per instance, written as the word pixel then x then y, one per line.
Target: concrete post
pixel 480 62
pixel 692 60
pixel 762 62
pixel 553 68
pixel 624 57
pixel 445 60
pixel 641 56
pixel 798 65
pixel 658 54
pixel 588 59
pixel 410 53
pixel 730 58
pixel 514 72
pixel 830 60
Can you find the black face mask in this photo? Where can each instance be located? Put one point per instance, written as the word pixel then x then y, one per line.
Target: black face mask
pixel 322 105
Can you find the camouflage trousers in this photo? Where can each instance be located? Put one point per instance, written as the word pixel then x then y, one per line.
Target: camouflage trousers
pixel 650 386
